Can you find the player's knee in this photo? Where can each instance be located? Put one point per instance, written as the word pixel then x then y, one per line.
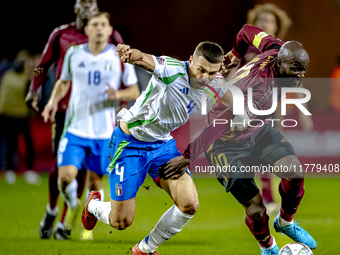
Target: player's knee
pixel 191 207
pixel 121 224
pixel 256 211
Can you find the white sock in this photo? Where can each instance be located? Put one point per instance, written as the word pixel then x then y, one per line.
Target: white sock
pixel 283 223
pixel 171 223
pixel 70 193
pixel 100 209
pixel 50 211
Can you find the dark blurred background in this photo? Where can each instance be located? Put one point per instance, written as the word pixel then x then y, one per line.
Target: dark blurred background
pixel 175 27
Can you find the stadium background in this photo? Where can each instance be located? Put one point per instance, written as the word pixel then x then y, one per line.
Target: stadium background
pixel 174 28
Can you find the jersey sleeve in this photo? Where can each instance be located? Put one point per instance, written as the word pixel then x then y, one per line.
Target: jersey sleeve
pixel 66 71
pixel 129 76
pixel 48 57
pixel 168 69
pixel 250 35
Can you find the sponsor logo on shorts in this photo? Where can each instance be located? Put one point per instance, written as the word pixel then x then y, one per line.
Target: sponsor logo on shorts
pixel 160 60
pixel 119 189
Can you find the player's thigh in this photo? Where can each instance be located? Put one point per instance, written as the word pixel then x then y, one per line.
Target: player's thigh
pixel 244 190
pixel 183 192
pixel 67 173
pixel 71 154
pixel 161 155
pixel 122 212
pixel 289 167
pixel 127 176
pixel 97 156
pixel 230 162
pixel 274 150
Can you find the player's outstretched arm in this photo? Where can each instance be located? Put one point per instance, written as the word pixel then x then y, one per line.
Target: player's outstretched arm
pixel 135 57
pixel 59 91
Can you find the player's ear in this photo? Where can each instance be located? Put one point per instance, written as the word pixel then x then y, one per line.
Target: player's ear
pixel 279 63
pixel 190 60
pixel 85 30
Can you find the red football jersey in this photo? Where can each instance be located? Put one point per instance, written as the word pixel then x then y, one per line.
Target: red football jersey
pixel 259 73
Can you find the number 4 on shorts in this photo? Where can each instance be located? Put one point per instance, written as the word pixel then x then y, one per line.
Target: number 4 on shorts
pixel 120 173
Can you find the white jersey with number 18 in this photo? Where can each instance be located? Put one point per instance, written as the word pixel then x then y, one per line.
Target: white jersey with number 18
pixel 90 114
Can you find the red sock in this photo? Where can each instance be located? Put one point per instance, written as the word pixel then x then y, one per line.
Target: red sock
pixel 291 195
pixel 266 188
pixel 63 215
pixel 53 186
pixel 81 179
pixel 260 229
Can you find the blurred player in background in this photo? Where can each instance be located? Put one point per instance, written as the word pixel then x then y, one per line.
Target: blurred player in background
pixel 96 74
pixel 142 143
pixel 278 65
pixel 59 41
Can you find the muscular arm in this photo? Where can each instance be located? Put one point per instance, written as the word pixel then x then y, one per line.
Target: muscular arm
pixel 250 35
pixel 49 56
pixel 59 91
pixel 135 57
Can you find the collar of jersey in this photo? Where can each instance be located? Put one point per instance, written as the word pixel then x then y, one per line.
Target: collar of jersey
pixel 186 68
pixel 86 48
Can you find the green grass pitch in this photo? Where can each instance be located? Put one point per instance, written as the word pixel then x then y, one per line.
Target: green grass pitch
pixel 217 228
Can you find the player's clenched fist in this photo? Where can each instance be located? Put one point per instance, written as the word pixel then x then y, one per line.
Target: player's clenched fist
pixel 128 55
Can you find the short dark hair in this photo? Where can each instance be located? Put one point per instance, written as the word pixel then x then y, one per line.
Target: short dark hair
pixel 210 51
pixel 99 13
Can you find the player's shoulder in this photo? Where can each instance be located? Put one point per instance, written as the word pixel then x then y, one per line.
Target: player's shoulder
pixel 63 28
pixel 76 48
pixel 171 63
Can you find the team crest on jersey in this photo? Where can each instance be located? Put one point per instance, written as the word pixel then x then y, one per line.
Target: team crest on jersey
pixel 249 112
pixel 119 189
pixel 160 60
pixel 108 65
